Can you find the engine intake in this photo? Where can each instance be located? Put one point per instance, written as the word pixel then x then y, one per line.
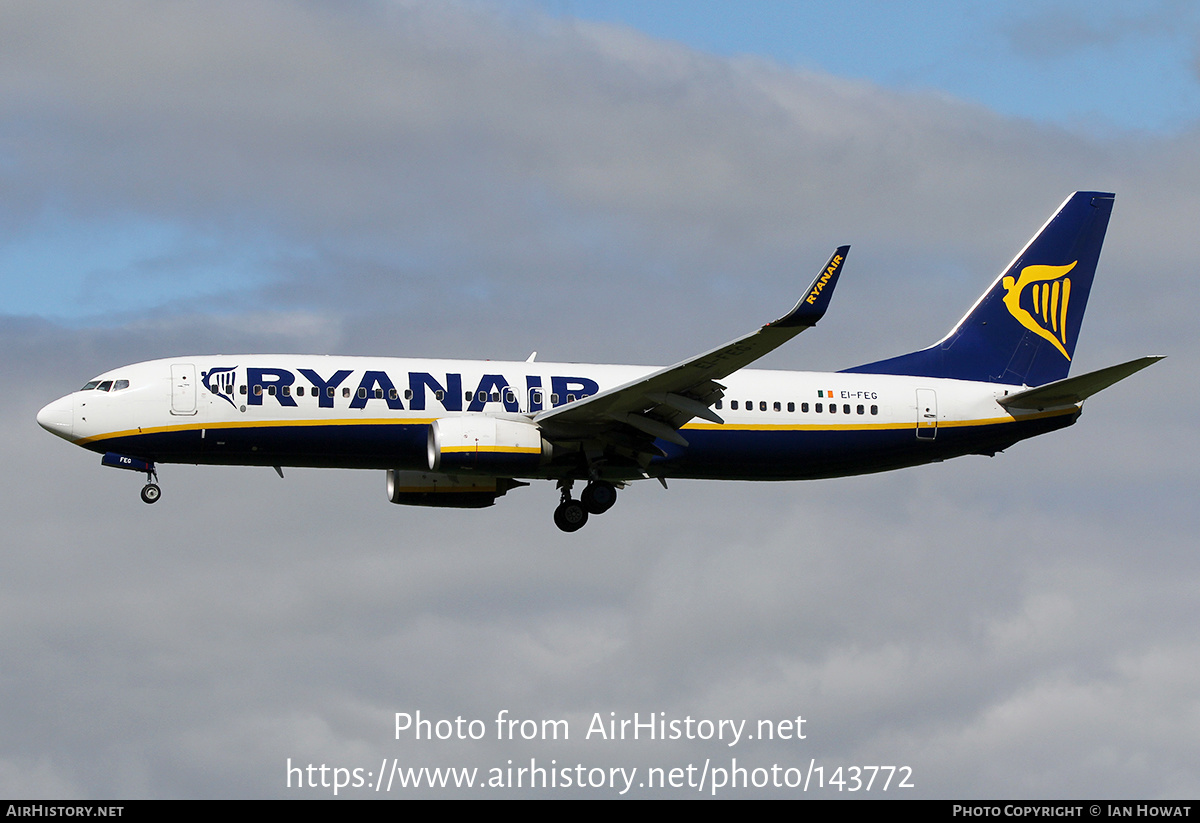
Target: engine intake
pixel 486 444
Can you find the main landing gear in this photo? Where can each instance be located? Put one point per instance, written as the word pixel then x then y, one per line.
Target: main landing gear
pixel 597 498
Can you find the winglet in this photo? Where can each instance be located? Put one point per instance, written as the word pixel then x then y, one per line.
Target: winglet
pixel 666 399
pixel 812 306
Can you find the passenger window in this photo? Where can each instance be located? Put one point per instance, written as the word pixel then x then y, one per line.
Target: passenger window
pixel 482 397
pixel 328 390
pixel 258 391
pixel 804 408
pixel 438 395
pixel 408 394
pixel 861 409
pixel 287 390
pixel 717 405
pixel 362 392
pixel 733 405
pixel 392 394
pixel 570 398
pixel 833 408
pixel 242 389
pixel 554 400
pixel 468 397
pixel 819 408
pixel 845 408
pixel 778 407
pixel 299 391
pixel 495 397
pixel 791 407
pixel 874 410
pixel 535 397
pixel 749 405
pixel 271 390
pixel 509 397
pixel 345 391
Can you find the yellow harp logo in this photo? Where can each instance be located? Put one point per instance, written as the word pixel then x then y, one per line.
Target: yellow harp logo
pixel 1050 292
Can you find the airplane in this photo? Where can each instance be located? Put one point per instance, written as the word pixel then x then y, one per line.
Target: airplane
pixel 458 433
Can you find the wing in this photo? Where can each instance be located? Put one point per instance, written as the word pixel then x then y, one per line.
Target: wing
pixel 658 404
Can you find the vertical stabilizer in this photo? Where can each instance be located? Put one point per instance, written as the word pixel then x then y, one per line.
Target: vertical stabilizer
pixel 1023 329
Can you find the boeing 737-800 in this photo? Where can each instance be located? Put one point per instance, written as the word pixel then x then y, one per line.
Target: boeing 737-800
pixel 462 433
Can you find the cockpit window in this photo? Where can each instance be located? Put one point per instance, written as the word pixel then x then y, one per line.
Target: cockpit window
pixel 105 385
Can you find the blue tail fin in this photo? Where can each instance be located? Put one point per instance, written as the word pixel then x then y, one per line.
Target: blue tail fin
pixel 1023 329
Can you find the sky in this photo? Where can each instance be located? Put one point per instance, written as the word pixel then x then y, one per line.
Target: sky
pixel 599 182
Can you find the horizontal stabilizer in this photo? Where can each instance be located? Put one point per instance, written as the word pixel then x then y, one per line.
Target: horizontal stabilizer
pixel 1074 390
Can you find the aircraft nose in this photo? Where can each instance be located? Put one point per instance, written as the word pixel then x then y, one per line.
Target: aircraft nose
pixel 58 417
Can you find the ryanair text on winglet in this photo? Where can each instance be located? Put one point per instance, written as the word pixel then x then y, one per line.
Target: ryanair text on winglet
pixel 823 279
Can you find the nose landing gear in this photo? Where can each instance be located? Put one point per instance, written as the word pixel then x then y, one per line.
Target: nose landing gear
pixel 151 492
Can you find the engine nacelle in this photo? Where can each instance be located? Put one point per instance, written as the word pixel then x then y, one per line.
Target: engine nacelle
pixel 482 443
pixel 446 490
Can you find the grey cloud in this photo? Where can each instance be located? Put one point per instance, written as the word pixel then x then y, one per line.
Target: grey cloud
pixel 1052 32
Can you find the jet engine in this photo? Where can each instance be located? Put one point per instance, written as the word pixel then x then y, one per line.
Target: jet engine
pixel 482 443
pixel 446 490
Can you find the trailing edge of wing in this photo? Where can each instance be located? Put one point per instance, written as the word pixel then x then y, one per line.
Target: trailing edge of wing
pixel 1074 390
pixel 676 394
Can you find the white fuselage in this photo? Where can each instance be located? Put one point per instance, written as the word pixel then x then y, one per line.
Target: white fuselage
pixel 365 412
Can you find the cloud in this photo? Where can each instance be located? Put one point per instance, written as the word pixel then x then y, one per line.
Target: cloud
pixel 1053 32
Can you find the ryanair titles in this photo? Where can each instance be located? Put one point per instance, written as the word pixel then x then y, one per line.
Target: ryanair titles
pixel 415 390
pixel 819 286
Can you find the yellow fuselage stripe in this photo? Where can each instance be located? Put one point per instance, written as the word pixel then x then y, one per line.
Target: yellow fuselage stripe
pixel 256 424
pixel 829 426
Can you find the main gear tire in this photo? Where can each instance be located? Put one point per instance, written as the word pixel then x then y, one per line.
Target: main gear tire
pixel 599 497
pixel 570 516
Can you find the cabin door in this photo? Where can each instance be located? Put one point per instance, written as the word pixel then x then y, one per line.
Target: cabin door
pixel 926 414
pixel 183 388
